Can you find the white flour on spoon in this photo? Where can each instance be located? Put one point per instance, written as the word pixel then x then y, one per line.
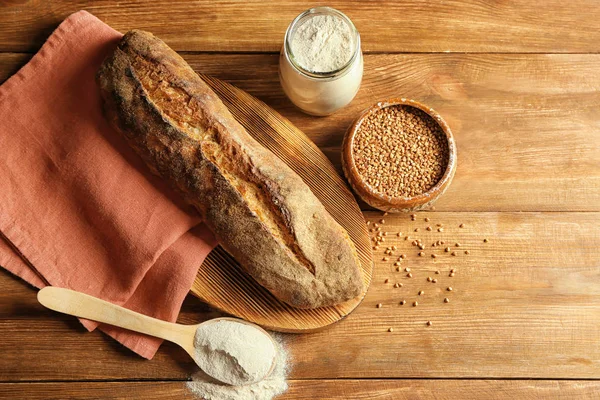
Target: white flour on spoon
pixel 238 354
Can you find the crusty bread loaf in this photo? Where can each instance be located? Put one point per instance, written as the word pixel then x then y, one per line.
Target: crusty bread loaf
pixel 260 210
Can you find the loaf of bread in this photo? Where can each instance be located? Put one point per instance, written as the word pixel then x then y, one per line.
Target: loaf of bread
pixel 259 209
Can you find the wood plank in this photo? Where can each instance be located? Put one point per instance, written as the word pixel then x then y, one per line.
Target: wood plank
pixel 524 305
pixel 387 26
pixel 36 339
pixel 10 63
pixel 320 389
pixel 517 301
pixel 526 125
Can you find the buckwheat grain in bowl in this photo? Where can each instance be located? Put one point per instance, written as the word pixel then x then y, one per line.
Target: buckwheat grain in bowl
pixel 399 155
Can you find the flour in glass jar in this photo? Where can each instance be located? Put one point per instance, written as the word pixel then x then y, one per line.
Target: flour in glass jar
pixel 321 64
pixel 323 43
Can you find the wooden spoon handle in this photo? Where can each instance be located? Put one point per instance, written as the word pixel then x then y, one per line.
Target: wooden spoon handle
pixel 82 305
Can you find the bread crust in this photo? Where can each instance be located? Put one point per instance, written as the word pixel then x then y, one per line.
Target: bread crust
pixel 259 209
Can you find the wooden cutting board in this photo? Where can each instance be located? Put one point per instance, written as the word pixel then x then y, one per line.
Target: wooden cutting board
pixel 221 281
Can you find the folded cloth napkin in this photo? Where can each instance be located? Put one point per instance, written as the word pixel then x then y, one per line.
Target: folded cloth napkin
pixel 78 209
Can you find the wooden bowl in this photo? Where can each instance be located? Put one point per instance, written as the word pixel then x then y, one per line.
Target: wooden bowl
pixel 388 203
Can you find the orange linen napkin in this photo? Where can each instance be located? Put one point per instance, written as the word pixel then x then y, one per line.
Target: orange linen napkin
pixel 78 209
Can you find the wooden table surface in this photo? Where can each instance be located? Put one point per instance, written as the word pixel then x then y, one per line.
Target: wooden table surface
pixel 518 82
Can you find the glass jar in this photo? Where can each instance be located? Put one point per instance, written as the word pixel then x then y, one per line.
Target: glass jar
pixel 320 93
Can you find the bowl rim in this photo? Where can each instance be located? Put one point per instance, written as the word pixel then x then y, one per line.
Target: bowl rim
pixel 365 191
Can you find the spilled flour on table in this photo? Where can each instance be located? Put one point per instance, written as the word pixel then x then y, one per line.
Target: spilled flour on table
pixel 275 384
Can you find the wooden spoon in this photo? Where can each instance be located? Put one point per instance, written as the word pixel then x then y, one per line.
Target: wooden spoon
pixel 85 306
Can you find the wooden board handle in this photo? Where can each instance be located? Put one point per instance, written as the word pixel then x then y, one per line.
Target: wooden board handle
pixel 85 306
